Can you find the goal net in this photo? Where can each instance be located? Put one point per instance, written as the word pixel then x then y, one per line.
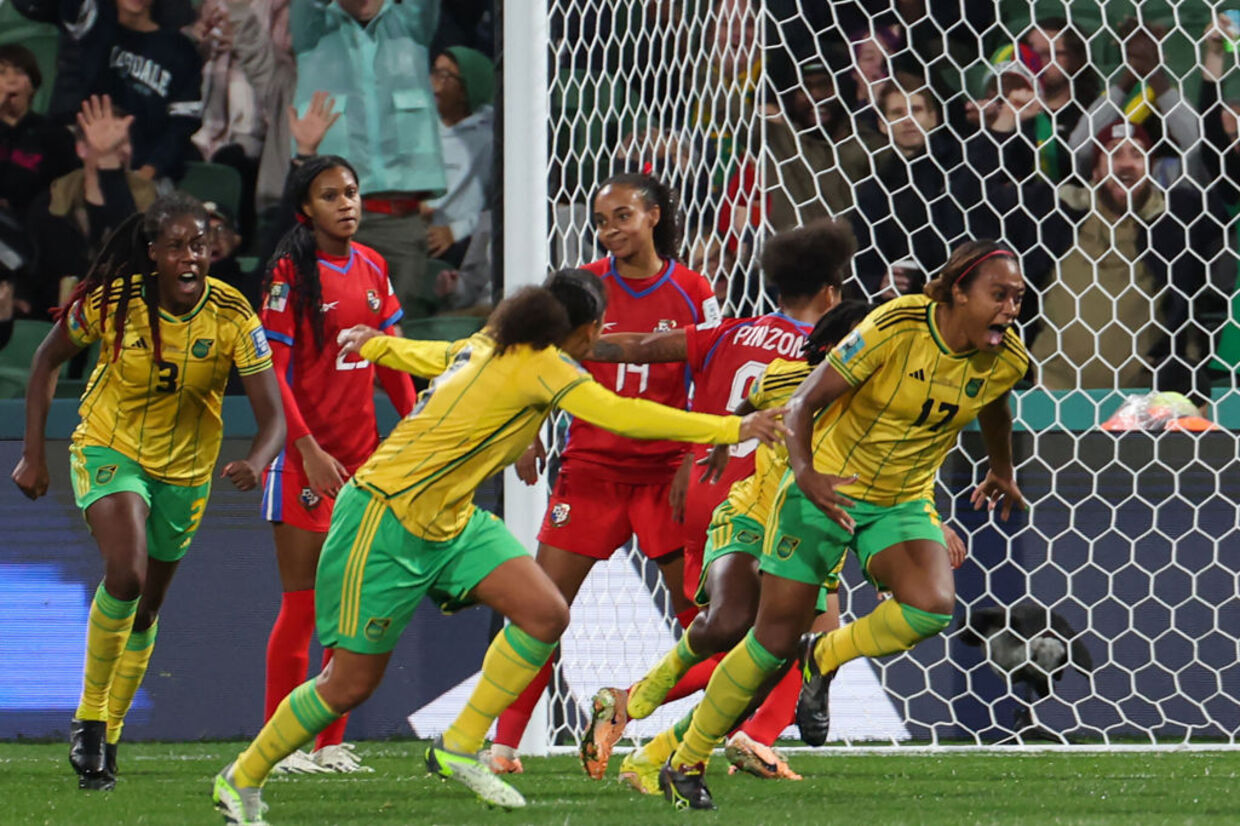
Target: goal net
pixel 1101 148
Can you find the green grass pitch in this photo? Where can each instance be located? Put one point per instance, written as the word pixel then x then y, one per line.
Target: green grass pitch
pixel 169 785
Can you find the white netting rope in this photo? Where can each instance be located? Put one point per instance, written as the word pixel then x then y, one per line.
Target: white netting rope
pixel 749 110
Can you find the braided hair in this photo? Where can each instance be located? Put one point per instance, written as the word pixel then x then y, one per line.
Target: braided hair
pixel 655 193
pixel 124 257
pixel 546 315
pixel 299 247
pixel 833 327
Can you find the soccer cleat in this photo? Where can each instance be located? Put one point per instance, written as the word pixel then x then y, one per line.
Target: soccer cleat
pixel 87 754
pixel 243 807
pixel 298 763
pixel 685 787
pixel 606 728
pixel 501 760
pixel 109 759
pixel 341 758
pixel 748 755
pixel 472 774
pixel 647 694
pixel 640 772
pixel 813 706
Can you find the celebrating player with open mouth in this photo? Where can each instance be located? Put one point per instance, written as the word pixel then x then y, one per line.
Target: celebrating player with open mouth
pixel 907 380
pixel 405 525
pixel 143 455
pixel 320 283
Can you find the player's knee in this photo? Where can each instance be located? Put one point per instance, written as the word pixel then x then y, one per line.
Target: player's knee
pixel 549 622
pixel 124 582
pixel 722 630
pixel 343 693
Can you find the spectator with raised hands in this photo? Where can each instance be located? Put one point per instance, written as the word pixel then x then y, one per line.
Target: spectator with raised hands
pixel 70 223
pixel 375 55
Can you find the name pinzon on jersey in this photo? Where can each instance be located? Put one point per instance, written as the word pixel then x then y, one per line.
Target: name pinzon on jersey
pixel 787 343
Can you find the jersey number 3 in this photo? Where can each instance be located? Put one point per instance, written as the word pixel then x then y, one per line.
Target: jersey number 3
pixel 168 374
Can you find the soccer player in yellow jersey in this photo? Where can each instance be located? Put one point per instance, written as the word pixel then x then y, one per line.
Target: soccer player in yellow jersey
pixel 405 525
pixel 870 428
pixel 143 456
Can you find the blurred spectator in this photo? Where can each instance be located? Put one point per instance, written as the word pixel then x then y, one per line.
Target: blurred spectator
pixel 1133 258
pixel 1066 84
pixel 1142 90
pixel 374 55
pixel 470 287
pixel 913 209
pixel 33 150
pixel 69 223
pixel 713 260
pixel 463 81
pixel 725 88
pixel 225 241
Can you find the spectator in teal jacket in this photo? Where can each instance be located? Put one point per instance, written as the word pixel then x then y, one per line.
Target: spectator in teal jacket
pixel 373 57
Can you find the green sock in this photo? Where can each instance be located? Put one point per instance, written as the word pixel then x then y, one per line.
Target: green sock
pixel 300 716
pixel 128 677
pixel 111 620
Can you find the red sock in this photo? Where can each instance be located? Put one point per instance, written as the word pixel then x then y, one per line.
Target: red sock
pixel 288 654
pixel 778 709
pixel 333 735
pixel 511 724
pixel 686 616
pixel 695 678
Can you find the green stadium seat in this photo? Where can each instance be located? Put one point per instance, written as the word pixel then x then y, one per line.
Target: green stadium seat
pixel 213 182
pixel 12 382
pixel 442 327
pixel 27 336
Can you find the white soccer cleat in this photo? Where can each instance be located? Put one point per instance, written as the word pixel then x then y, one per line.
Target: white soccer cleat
pixel 340 758
pixel 298 763
pixel 473 775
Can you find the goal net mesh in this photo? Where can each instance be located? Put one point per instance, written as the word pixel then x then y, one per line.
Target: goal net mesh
pixel 766 114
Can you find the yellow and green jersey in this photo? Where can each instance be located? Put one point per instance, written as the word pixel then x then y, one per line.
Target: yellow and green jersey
pixel 753 495
pixel 911 397
pixel 482 412
pixel 165 414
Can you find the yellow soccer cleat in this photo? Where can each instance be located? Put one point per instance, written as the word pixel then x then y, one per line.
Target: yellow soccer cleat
pixel 640 772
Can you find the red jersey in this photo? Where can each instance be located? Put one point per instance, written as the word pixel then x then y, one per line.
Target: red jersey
pixel 334 393
pixel 676 297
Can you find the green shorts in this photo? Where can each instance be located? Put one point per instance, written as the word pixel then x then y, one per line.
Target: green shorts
pixel 734 533
pixel 804 545
pixel 173 511
pixel 373 572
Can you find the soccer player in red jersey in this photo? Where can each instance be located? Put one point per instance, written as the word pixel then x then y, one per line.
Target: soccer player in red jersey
pixel 320 282
pixel 805 267
pixel 609 487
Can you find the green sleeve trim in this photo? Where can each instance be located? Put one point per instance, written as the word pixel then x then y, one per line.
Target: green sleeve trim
pixel 555 400
pixel 112 607
pixel 141 640
pixel 533 651
pixel 255 368
pixel 835 362
pixel 925 623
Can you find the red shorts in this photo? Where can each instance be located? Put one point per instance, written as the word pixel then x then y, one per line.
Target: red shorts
pixel 700 502
pixel 592 517
pixel 287 497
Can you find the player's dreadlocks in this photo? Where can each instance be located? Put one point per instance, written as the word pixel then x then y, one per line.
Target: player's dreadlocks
pixel 124 267
pixel 832 327
pixel 299 247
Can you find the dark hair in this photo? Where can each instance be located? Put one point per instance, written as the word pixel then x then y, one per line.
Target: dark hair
pixel 907 83
pixel 801 261
pixel 667 233
pixel 1083 80
pixel 299 247
pixel 543 316
pixel 125 254
pixel 19 57
pixel 832 327
pixel 961 263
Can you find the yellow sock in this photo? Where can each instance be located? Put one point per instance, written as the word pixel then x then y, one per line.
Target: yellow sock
pixel 889 628
pixel 300 716
pixel 731 688
pixel 665 742
pixel 128 677
pixel 111 620
pixel 648 693
pixel 511 661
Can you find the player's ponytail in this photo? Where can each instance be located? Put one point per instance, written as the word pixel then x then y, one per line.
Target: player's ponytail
pixel 546 315
pixel 963 267
pixel 299 247
pixel 125 254
pixel 667 233
pixel 832 327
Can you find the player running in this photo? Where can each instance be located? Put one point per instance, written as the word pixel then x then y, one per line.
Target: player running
pixel 909 378
pixel 610 487
pixel 805 267
pixel 405 525
pixel 320 283
pixel 143 455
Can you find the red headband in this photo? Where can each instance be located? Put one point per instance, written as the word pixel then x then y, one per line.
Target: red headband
pixel 975 264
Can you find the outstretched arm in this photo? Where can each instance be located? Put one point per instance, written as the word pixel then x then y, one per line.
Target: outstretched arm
pixel 420 358
pixel 640 348
pixel 31 472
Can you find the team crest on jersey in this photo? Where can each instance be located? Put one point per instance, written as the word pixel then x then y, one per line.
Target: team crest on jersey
pixel 747 537
pixel 559 514
pixel 309 499
pixel 104 474
pixel 787 545
pixel 850 346
pixel 277 297
pixel 201 347
pixel 376 627
pixel 372 301
pixel 665 325
pixel 973 388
